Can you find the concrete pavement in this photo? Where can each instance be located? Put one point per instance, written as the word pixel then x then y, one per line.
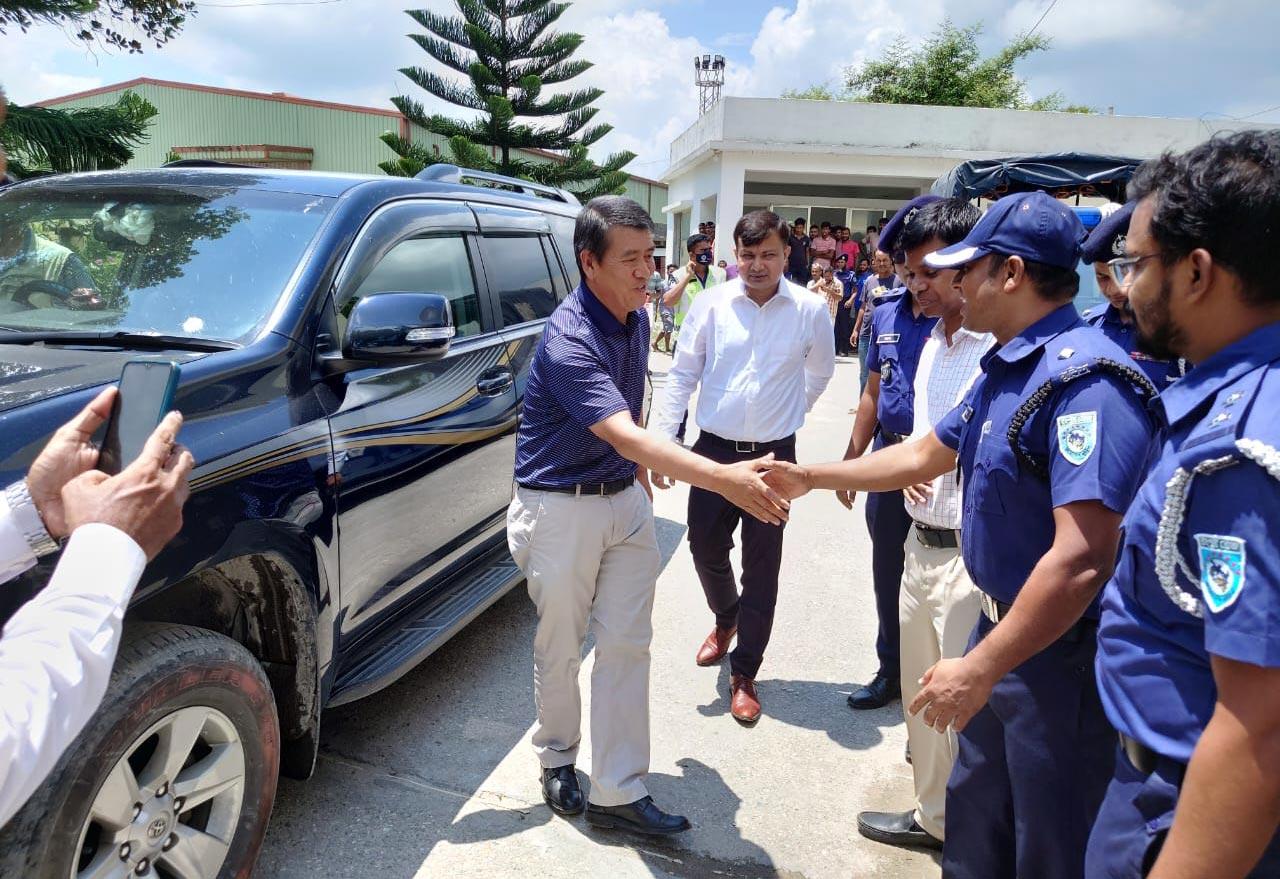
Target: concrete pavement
pixel 435 776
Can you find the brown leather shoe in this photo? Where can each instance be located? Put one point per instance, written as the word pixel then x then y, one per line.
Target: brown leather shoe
pixel 716 646
pixel 745 704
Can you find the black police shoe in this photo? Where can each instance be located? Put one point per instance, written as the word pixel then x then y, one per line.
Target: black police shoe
pixel 877 694
pixel 896 828
pixel 642 816
pixel 561 790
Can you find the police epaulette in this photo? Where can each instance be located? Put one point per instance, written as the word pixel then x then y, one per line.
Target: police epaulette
pixel 1146 390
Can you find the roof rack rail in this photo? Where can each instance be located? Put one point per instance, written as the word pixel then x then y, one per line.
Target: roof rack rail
pixel 443 172
pixel 205 163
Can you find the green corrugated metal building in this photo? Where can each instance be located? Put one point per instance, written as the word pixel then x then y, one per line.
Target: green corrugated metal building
pixel 282 131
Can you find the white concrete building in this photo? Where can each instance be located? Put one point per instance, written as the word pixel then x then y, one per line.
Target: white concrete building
pixel 852 163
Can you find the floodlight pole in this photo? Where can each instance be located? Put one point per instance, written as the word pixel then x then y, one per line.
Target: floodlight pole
pixel 708 74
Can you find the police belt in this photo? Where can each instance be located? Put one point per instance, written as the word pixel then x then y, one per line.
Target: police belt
pixel 937 538
pixel 995 610
pixel 889 438
pixel 743 447
pixel 587 489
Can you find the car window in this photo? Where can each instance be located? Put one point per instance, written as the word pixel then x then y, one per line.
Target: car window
pixel 436 264
pixel 518 273
pixel 206 261
pixel 562 227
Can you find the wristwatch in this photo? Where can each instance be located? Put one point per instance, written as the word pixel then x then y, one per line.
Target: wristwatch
pixel 27 517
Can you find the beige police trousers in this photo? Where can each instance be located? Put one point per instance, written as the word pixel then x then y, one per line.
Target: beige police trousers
pixel 590 562
pixel 937 610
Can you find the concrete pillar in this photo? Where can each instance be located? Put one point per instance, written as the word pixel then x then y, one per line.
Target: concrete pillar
pixel 729 205
pixel 674 245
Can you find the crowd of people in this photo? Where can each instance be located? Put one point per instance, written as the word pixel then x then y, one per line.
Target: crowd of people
pixel 1074 565
pixel 1071 518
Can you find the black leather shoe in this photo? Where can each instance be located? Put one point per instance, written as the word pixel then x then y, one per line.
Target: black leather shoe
pixel 877 694
pixel 561 790
pixel 896 828
pixel 642 816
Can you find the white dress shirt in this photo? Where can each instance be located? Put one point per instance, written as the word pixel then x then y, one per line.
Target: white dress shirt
pixel 57 651
pixel 760 367
pixel 944 374
pixel 15 552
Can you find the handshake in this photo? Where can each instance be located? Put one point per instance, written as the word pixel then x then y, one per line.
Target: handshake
pixel 762 487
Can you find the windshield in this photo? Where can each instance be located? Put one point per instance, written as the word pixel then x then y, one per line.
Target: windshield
pixel 205 262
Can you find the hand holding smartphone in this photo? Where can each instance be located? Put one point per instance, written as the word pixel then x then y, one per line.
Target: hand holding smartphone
pixel 146 394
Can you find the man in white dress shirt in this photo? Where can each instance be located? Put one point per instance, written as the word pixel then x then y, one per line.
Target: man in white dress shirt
pixel 57 649
pixel 761 350
pixel 938 604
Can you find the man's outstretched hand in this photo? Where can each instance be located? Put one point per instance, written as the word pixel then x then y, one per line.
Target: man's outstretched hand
pixel 787 479
pixel 744 485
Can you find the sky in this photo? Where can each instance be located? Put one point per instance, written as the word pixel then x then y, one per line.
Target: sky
pixel 1209 59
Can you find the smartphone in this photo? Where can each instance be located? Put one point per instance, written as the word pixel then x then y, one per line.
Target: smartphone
pixel 145 397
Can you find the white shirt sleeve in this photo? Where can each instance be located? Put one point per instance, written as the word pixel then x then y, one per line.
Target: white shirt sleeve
pixel 686 368
pixel 56 655
pixel 820 361
pixel 15 553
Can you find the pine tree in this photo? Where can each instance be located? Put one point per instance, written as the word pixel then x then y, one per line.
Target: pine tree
pixel 509 56
pixel 47 139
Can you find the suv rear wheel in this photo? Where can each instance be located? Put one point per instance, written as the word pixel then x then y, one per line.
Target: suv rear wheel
pixel 173 778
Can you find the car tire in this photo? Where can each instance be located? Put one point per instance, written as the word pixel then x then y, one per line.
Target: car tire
pixel 170 684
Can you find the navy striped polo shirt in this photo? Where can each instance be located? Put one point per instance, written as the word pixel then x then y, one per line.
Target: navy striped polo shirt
pixel 588 366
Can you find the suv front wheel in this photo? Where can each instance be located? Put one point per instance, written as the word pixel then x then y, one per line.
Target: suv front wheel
pixel 173 777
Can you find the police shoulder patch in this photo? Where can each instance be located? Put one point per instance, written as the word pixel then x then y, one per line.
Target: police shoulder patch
pixel 1077 436
pixel 1222 567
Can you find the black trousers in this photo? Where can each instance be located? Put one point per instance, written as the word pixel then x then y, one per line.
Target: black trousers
pixel 889 524
pixel 712 522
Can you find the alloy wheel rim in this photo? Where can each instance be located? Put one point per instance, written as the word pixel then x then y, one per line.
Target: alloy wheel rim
pixel 170 806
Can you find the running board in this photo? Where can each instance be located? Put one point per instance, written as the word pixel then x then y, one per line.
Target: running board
pixel 391 656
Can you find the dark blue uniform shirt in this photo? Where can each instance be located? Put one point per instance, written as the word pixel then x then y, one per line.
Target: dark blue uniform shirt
pixel 1093 433
pixel 1153 655
pixel 897 338
pixel 588 366
pixel 1162 372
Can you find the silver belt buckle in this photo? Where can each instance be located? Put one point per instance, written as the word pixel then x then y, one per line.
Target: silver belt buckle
pixel 989 608
pixel 738 447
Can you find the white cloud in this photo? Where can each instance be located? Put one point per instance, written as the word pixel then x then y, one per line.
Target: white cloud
pixel 1083 22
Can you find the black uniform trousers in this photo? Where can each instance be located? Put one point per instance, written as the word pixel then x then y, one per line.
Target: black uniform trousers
pixel 712 522
pixel 888 524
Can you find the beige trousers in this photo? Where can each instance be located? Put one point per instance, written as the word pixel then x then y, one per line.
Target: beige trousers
pixel 937 610
pixel 590 562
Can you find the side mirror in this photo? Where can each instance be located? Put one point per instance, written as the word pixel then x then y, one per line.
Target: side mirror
pixel 399 327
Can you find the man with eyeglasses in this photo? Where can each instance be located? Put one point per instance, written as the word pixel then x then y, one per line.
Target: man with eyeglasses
pixel 1104 249
pixel 1188 657
pixel 1052 442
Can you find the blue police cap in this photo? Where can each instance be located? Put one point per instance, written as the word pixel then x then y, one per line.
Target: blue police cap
pixel 889 235
pixel 1106 241
pixel 1032 225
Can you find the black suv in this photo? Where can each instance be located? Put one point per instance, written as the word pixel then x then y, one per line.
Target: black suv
pixel 353 353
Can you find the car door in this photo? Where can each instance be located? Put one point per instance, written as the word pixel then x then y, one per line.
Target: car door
pixel 422 452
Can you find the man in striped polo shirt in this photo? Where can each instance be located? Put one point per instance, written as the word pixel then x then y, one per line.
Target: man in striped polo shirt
pixel 581 523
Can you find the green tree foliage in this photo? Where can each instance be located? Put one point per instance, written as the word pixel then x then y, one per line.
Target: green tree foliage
pixel 509 56
pixel 816 92
pixel 948 70
pixel 114 23
pixel 43 139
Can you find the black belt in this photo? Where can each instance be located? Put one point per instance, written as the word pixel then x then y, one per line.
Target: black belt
pixel 889 438
pixel 1143 758
pixel 937 538
pixel 995 610
pixel 590 489
pixel 743 447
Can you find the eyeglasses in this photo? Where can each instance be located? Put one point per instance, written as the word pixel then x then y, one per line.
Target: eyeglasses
pixel 1124 268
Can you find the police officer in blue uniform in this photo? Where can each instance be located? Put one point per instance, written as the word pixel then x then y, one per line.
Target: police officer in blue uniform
pixel 1051 441
pixel 1189 647
pixel 899 330
pixel 1115 319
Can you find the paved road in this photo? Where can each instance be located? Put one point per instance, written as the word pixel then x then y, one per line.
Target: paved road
pixel 434 777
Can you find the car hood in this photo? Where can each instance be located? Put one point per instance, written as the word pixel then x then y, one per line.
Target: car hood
pixel 35 372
